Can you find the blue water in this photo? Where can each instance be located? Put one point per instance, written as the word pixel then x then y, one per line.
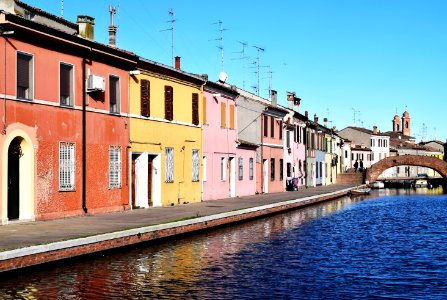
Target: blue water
pixel 386 247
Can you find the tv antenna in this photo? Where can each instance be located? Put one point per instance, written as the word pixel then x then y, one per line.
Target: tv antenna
pixel 260 50
pixel 221 40
pixel 270 77
pixel 355 111
pixel 62 8
pixel 243 57
pixel 171 13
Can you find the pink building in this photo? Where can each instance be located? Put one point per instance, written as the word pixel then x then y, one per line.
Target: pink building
pixel 246 164
pixel 294 142
pixel 220 162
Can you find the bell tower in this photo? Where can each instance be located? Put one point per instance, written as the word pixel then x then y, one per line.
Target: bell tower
pixel 406 125
pixel 396 124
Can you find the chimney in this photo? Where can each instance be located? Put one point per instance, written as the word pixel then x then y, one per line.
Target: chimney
pixel 177 62
pixel 315 118
pixel 290 97
pixel 325 122
pixel 306 114
pixel 86 26
pixel 112 27
pixel 296 103
pixel 375 129
pixel 334 128
pixel 274 97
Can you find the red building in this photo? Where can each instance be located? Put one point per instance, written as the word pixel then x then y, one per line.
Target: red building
pixel 64 105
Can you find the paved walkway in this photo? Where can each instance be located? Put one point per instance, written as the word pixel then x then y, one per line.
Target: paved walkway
pixel 20 235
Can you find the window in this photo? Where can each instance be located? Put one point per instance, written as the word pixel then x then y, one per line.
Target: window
pixel 241 168
pixel 352 156
pixel 169 103
pixel 24 76
pixel 231 116
pixel 114 88
pixel 346 153
pixel 204 168
pixel 250 168
pixel 223 115
pixel 266 131
pixel 289 170
pixel 27 15
pixel 272 168
pixel 195 165
pixel 321 169
pixel 66 166
pixel 223 169
pixel 288 138
pixel 316 170
pixel 281 169
pixel 195 109
pixel 114 167
pixel 145 101
pixel 272 127
pixel 169 164
pixel 66 84
pixel 280 130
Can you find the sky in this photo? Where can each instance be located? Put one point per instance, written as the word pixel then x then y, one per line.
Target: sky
pixel 356 62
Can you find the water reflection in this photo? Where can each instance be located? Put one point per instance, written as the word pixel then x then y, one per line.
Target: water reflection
pixel 280 256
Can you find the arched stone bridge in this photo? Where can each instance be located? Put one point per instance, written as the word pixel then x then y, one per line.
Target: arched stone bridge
pixel 434 163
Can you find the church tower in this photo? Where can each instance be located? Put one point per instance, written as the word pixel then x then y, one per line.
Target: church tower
pixel 406 125
pixel 396 124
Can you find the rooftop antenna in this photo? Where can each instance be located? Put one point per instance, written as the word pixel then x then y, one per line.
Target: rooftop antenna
pixel 243 57
pixel 435 135
pixel 171 13
pixel 220 38
pixel 62 8
pixel 355 111
pixel 328 117
pixel 270 77
pixel 259 49
pixel 424 133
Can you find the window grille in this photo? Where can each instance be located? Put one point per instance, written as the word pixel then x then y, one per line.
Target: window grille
pixel 169 173
pixel 241 168
pixel 195 165
pixel 114 166
pixel 66 166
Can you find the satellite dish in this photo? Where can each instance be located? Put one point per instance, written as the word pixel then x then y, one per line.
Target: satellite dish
pixel 223 76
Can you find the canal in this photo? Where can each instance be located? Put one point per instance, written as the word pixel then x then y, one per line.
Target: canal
pixel 391 244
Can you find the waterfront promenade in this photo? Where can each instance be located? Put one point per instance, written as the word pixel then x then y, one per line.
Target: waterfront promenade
pixel 27 244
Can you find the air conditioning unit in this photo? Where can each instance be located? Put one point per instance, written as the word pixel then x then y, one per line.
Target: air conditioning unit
pixel 96 83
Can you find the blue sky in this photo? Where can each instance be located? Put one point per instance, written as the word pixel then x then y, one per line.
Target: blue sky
pixel 374 57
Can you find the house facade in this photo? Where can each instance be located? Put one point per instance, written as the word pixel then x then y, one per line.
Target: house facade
pixel 166 146
pixel 64 112
pixel 223 167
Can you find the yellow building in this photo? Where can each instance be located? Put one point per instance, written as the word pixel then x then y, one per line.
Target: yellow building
pixel 165 135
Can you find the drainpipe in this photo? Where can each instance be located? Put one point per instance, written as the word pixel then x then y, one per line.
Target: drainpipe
pixel 84 137
pixel 202 87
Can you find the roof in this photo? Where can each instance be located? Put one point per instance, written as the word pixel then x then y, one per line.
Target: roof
pixel 157 67
pixel 396 134
pixel 365 130
pixel 247 145
pixel 222 87
pixel 360 148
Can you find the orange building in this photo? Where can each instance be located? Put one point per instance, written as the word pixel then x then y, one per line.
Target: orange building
pixel 64 105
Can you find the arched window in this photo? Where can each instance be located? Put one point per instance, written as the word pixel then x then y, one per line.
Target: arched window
pixel 406 124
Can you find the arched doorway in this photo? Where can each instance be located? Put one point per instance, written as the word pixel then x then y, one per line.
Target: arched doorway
pixel 14 155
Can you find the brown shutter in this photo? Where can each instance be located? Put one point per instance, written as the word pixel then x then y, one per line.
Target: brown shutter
pixel 169 105
pixel 195 109
pixel 23 69
pixel 204 110
pixel 231 116
pixel 280 130
pixel 145 98
pixel 223 115
pixel 266 130
pixel 272 127
pixel 65 80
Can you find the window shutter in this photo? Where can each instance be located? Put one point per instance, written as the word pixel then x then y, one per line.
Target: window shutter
pixel 265 125
pixel 272 127
pixel 195 109
pixel 23 69
pixel 231 116
pixel 169 115
pixel 280 130
pixel 65 80
pixel 145 97
pixel 223 115
pixel 204 109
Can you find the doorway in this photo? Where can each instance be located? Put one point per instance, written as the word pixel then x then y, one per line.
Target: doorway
pixel 14 155
pixel 265 170
pixel 232 176
pixel 146 180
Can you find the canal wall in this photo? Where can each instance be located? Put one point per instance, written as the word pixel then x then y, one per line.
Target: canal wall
pixel 40 254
